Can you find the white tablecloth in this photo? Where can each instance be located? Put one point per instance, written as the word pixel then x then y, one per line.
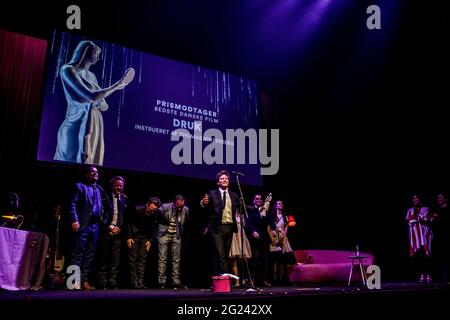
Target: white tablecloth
pixel 22 259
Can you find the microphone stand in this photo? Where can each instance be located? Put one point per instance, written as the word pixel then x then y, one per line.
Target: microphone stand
pixel 243 214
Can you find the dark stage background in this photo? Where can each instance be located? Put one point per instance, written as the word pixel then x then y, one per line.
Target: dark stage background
pixel 362 113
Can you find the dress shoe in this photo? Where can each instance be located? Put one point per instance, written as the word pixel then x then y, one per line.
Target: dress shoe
pixel 77 286
pixel 178 286
pixel 87 286
pixel 246 282
pixel 266 284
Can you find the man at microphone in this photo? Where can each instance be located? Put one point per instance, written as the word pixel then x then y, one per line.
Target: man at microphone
pixel 221 205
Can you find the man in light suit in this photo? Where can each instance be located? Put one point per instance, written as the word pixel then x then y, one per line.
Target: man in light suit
pixel 171 219
pixel 221 205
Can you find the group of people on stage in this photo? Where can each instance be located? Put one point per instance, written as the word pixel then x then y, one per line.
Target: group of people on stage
pixel 101 223
pixel 429 238
pixel 253 233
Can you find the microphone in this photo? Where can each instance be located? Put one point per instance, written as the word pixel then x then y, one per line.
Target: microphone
pixel 237 173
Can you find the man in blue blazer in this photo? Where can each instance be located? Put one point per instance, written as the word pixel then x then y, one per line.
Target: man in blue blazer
pixel 171 219
pixel 86 214
pixel 221 205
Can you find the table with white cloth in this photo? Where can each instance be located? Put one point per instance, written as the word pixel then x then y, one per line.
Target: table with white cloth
pixel 22 259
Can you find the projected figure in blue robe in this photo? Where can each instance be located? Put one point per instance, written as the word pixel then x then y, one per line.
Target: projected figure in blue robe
pixel 80 137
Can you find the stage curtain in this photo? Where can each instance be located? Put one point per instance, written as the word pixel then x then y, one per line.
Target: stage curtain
pixel 22 65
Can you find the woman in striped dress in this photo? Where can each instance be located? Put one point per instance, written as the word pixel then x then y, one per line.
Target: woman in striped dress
pixel 420 235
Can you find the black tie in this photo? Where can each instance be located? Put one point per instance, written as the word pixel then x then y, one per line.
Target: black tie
pixel 224 199
pixel 95 207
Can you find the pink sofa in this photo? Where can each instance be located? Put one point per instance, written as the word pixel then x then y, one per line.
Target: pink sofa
pixel 318 266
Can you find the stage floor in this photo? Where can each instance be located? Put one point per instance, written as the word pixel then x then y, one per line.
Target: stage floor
pixel 409 298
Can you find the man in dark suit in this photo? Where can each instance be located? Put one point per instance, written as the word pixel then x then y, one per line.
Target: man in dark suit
pixel 111 237
pixel 171 219
pixel 86 215
pixel 221 205
pixel 257 233
pixel 440 222
pixel 140 235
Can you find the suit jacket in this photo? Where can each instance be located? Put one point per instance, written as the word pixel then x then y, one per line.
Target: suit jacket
pixel 121 207
pixel 256 222
pixel 214 208
pixel 82 205
pixel 139 223
pixel 167 210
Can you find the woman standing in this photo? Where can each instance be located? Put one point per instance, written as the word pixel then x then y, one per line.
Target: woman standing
pixel 240 248
pixel 420 236
pixel 279 246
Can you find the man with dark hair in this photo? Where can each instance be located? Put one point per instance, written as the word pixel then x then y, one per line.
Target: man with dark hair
pixel 171 219
pixel 111 237
pixel 440 219
pixel 221 205
pixel 86 215
pixel 140 234
pixel 257 230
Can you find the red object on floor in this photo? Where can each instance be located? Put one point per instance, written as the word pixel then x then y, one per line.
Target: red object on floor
pixel 221 283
